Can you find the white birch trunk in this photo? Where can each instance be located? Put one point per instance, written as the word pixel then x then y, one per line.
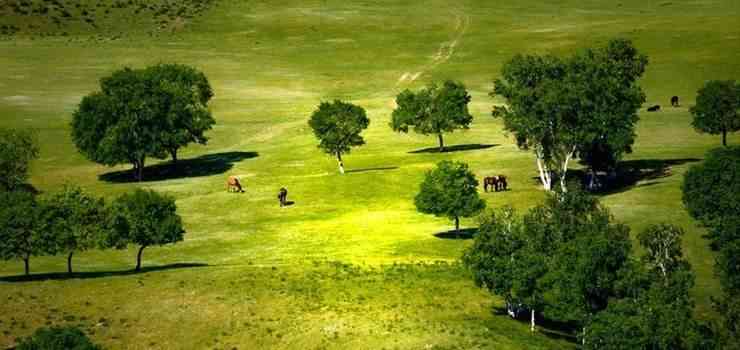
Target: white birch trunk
pixel 531 327
pixel 564 173
pixel 544 172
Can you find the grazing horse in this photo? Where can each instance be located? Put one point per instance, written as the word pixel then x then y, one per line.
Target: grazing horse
pixel 233 185
pixel 283 196
pixel 501 184
pixel 674 101
pixel 497 183
pixel 654 108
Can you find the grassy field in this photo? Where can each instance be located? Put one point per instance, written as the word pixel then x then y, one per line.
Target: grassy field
pixel 351 264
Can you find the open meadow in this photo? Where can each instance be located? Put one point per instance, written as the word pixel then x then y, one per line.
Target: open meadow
pixel 351 264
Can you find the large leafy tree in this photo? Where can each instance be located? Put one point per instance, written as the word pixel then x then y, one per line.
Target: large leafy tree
pixel 182 94
pixel 17 149
pixel 450 190
pixel 716 109
pixel 434 110
pixel 21 234
pixel 562 107
pixel 57 338
pixel 338 125
pixel 143 113
pixel 144 218
pixel 75 219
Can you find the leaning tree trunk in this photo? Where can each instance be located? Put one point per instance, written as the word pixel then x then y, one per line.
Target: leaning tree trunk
pixel 341 164
pixel 27 270
pixel 441 142
pixel 69 262
pixel 545 176
pixel 138 258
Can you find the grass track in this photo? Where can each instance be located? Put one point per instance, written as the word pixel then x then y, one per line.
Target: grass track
pixel 270 281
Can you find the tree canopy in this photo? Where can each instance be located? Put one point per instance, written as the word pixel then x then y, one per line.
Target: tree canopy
pixel 562 108
pixel 144 218
pixel 75 219
pixel 338 125
pixel 710 189
pixel 143 113
pixel 434 110
pixel 57 338
pixel 716 109
pixel 21 235
pixel 17 149
pixel 450 190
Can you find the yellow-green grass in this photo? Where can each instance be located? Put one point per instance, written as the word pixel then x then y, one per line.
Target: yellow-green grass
pixel 271 280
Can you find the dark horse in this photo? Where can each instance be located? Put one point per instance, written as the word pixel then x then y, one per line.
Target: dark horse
pixel 674 101
pixel 654 108
pixel 283 196
pixel 497 183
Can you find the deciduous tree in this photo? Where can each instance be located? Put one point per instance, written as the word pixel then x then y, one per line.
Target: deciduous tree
pixel 17 149
pixel 338 125
pixel 716 109
pixel 434 110
pixel 21 235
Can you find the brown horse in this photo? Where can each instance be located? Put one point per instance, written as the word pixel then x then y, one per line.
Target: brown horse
pixel 501 184
pixel 233 185
pixel 283 197
pixel 497 183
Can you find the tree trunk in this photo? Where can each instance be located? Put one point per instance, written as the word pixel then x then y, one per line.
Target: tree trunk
pixel 583 337
pixel 341 164
pixel 545 177
pixel 441 143
pixel 25 261
pixel 138 258
pixel 457 226
pixel 140 175
pixel 531 325
pixel 69 262
pixel 564 175
pixel 173 153
pixel 724 137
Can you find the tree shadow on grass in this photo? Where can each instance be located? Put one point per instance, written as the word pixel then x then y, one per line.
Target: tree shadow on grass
pixel 631 172
pixel 62 276
pixel 464 233
pixel 371 169
pixel 205 165
pixel 455 148
pixel 550 328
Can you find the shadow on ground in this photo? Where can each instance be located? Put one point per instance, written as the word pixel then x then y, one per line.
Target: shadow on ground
pixel 463 233
pixel 205 165
pixel 631 172
pixel 455 148
pixel 550 328
pixel 61 276
pixel 363 170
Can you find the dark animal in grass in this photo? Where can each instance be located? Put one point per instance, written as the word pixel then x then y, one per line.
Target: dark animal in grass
pixel 283 197
pixel 654 108
pixel 674 101
pixel 501 184
pixel 233 185
pixel 497 183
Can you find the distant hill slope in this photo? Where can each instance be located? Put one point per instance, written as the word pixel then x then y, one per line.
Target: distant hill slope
pixel 106 17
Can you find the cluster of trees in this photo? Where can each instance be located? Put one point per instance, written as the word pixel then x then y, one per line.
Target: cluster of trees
pixel 717 108
pixel 57 338
pixel 711 194
pixel 140 113
pixel 70 220
pixel 433 110
pixel 580 106
pixel 568 260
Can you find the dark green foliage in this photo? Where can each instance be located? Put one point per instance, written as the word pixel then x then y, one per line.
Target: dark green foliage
pixel 21 235
pixel 716 109
pixel 338 125
pixel 75 219
pixel 17 149
pixel 662 244
pixel 584 105
pixel 710 189
pixel 434 110
pixel 57 338
pixel 451 191
pixel 144 218
pixel 143 113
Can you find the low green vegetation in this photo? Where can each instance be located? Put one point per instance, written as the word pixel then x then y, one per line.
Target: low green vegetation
pixel 350 262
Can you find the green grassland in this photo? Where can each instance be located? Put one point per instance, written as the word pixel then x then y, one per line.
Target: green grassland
pixel 351 264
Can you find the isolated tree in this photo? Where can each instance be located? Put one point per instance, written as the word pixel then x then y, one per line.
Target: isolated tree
pixel 338 125
pixel 434 110
pixel 75 219
pixel 17 149
pixel 143 113
pixel 716 109
pixel 57 338
pixel 144 218
pixel 21 235
pixel 119 124
pixel 710 189
pixel 562 107
pixel 451 191
pixel 180 94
